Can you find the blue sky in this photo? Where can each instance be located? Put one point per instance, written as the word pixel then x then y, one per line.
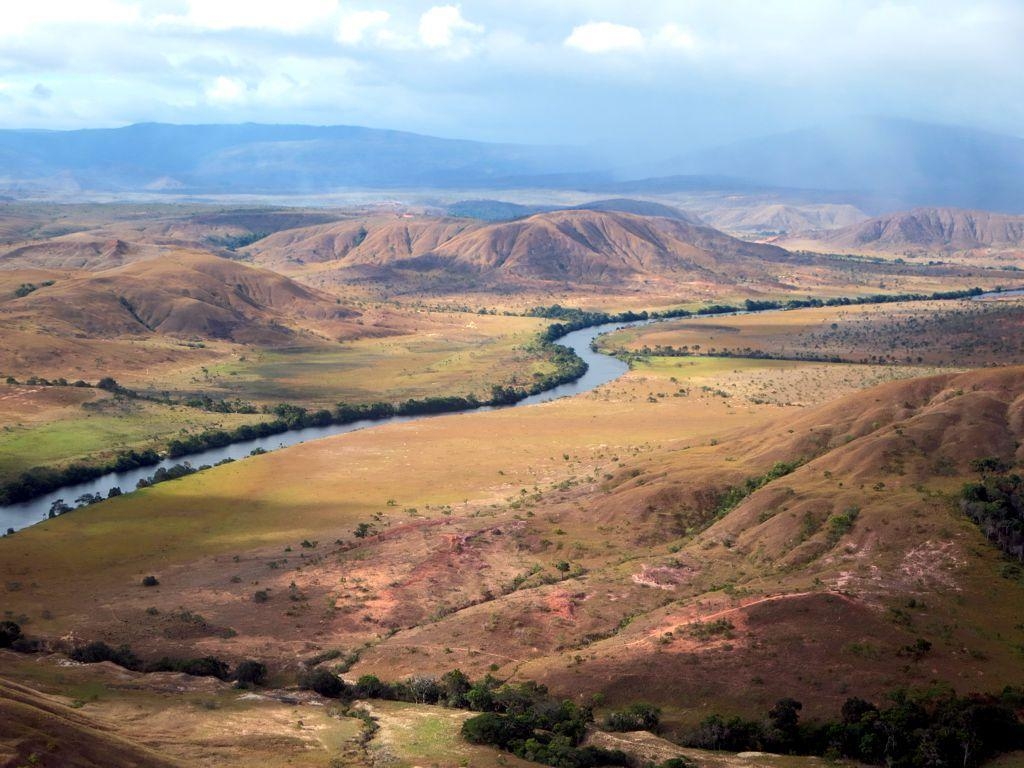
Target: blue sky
pixel 640 73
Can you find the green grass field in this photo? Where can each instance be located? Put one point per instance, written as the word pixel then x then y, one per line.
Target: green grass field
pixel 72 433
pixel 368 370
pixel 455 355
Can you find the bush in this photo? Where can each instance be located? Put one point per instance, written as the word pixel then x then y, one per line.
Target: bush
pixel 150 581
pixel 206 666
pixel 93 653
pixel 372 687
pixel 499 730
pixel 9 633
pixel 636 717
pixel 678 762
pixel 325 683
pixel 251 672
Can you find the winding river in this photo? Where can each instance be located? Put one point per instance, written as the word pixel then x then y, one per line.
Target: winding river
pixel 600 370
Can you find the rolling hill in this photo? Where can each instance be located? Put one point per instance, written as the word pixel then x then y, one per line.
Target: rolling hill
pixel 771 597
pixel 89 319
pixel 816 582
pixel 582 246
pixel 374 240
pixel 600 247
pixel 777 218
pixel 932 229
pixel 36 729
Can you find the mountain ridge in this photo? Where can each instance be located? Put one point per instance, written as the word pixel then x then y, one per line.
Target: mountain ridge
pixel 933 227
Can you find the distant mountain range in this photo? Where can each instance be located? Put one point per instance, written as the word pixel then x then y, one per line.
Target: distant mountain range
pixel 875 164
pixel 928 228
pixel 263 158
pixel 914 164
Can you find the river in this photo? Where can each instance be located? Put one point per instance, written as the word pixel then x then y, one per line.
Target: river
pixel 600 370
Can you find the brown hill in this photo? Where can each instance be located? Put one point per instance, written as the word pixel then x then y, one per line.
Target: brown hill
pixel 581 246
pixel 604 247
pixel 777 217
pixel 36 729
pixel 187 294
pixel 774 597
pixel 86 250
pixel 669 597
pixel 375 240
pixel 949 229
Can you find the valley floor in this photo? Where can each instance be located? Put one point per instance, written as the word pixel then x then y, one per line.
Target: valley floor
pixel 766 506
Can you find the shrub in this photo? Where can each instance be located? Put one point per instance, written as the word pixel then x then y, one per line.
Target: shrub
pixel 678 762
pixel 251 672
pixel 206 666
pixel 493 728
pixel 98 651
pixel 10 632
pixel 372 687
pixel 150 581
pixel 325 683
pixel 636 717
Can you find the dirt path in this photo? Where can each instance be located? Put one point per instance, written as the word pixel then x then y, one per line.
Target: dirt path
pixel 742 607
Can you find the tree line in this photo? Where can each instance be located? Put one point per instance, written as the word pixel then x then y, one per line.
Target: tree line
pixel 925 728
pixel 996 504
pixel 913 728
pixel 39 481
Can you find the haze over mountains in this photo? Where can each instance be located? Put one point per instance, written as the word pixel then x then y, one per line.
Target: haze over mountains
pixel 883 164
pixel 943 228
pixel 911 162
pixel 263 158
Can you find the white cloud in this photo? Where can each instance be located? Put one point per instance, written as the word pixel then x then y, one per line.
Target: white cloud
pixel 354 26
pixel 604 37
pixel 674 36
pixel 226 91
pixel 19 17
pixel 439 27
pixel 288 17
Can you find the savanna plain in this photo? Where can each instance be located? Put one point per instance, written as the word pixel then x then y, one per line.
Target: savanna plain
pixel 789 534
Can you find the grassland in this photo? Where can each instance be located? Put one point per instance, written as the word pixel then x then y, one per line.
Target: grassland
pixel 452 354
pixel 636 542
pixel 101 716
pixel 945 333
pixel 55 426
pixel 442 353
pixel 459 568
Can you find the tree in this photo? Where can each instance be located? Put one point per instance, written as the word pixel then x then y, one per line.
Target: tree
pixel 635 717
pixel 10 633
pixel 783 722
pixel 371 687
pixel 58 507
pixel 250 672
pixel 455 685
pixel 492 728
pixel 326 683
pixel 989 465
